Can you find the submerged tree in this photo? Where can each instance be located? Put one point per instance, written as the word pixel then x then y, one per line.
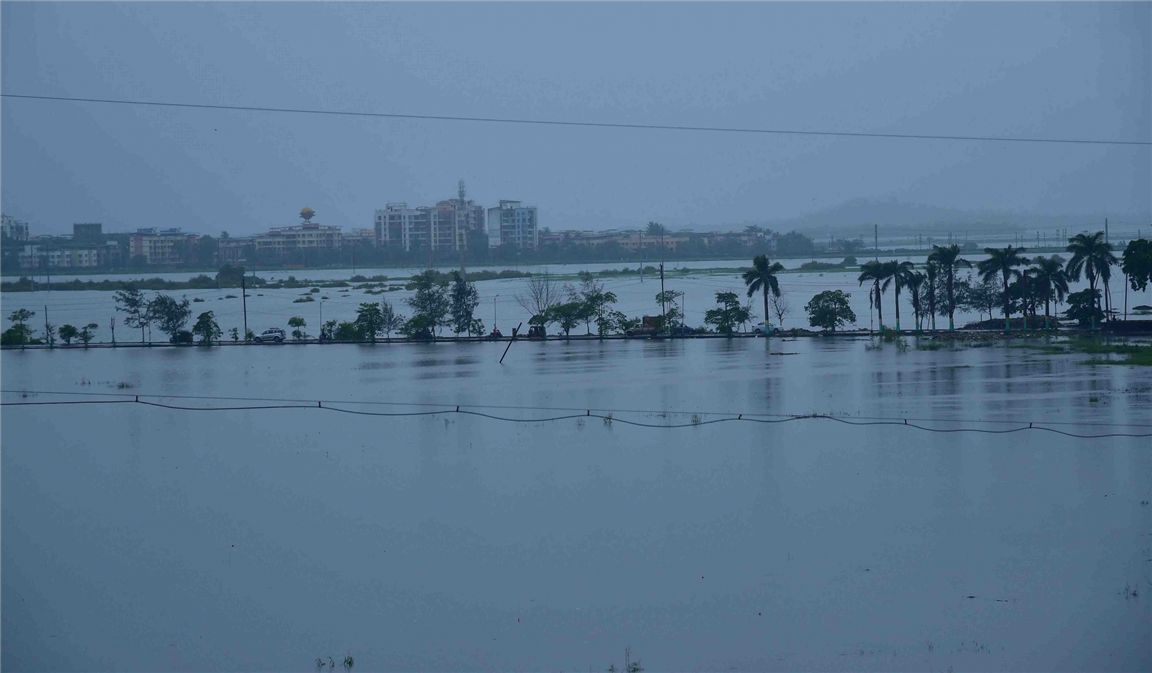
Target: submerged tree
pixel 728 313
pixel 1002 262
pixel 762 277
pixel 829 310
pixel 169 315
pixel 464 300
pixel 429 304
pixel 68 333
pixel 390 320
pixel 948 258
pixel 207 328
pixel 297 323
pixel 88 332
pixel 1092 256
pixel 131 302
pixel 369 321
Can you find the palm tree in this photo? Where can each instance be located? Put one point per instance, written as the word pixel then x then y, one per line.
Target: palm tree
pixel 1092 255
pixel 1051 281
pixel 873 271
pixel 1002 261
pixel 762 276
pixel 948 258
pixel 895 272
pixel 930 271
pixel 914 281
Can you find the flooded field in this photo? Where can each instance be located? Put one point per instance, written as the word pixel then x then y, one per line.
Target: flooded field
pixel 149 538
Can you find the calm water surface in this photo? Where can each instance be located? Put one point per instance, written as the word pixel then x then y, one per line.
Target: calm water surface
pixel 142 538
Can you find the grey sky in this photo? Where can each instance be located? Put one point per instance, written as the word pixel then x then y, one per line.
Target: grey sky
pixel 1031 70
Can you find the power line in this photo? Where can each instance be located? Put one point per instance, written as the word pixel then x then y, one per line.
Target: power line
pixel 608 417
pixel 557 122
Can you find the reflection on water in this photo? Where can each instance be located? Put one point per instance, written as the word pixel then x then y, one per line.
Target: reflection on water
pixel 145 538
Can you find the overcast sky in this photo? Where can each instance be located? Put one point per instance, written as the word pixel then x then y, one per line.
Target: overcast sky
pixel 994 69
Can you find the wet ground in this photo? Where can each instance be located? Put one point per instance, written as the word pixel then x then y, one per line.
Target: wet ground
pixel 139 537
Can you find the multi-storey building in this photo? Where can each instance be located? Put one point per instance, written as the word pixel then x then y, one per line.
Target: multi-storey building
pixel 13 228
pixel 70 256
pixel 163 246
pixel 282 241
pixel 513 224
pixel 445 226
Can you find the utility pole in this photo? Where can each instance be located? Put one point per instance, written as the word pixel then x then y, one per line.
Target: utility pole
pixel 244 303
pixel 112 326
pixel 876 240
pixel 494 312
pixel 663 311
pixel 47 334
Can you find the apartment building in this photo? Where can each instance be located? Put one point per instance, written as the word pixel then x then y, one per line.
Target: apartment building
pixel 282 241
pixel 163 246
pixel 13 228
pixel 511 223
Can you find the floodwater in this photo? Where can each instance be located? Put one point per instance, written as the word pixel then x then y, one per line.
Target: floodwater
pixel 144 538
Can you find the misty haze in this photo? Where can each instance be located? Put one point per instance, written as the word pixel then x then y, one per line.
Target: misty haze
pixel 564 336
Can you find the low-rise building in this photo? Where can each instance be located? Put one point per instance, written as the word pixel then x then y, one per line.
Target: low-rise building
pixel 13 228
pixel 70 256
pixel 163 246
pixel 511 223
pixel 280 241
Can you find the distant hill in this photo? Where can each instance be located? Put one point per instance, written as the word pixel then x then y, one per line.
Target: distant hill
pixel 856 217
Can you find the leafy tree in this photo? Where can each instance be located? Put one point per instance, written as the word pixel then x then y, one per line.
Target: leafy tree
pixel 131 302
pixel 753 229
pixel 347 331
pixel 19 333
pixel 249 335
pixel 727 314
pixel 1136 263
pixel 50 334
pixel 597 300
pixel 983 297
pixel 1084 307
pixel 794 244
pixel 1002 261
pixel 234 333
pixel 419 326
pixel 328 331
pixel 655 229
pixel 762 277
pixel 1092 256
pixel 169 315
pixel 949 260
pixel 369 320
pixel 430 303
pixel 297 324
pixel 68 333
pixel 229 276
pixel 206 328
pixel 829 310
pixel 672 315
pixel 390 321
pixel 87 333
pixel 464 301
pixel 1050 281
pixel 568 315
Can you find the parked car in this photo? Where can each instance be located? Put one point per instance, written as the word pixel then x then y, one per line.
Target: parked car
pixel 536 332
pixel 271 334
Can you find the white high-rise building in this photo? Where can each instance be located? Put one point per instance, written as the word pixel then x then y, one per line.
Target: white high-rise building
pixel 513 224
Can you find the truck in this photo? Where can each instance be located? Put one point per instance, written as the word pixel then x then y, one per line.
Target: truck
pixel 649 326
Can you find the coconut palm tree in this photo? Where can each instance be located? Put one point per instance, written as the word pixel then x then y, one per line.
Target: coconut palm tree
pixel 1051 282
pixel 895 272
pixel 948 258
pixel 762 277
pixel 1092 255
pixel 1002 261
pixel 914 281
pixel 931 269
pixel 873 271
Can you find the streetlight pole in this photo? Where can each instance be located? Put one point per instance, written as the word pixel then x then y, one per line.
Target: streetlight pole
pixel 494 312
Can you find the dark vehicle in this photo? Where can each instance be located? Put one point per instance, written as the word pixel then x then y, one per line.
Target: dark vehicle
pixel 649 326
pixel 182 337
pixel 681 330
pixel 536 332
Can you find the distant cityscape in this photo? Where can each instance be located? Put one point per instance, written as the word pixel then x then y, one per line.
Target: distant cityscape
pixel 401 233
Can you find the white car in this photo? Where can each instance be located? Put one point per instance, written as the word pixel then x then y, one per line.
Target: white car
pixel 761 328
pixel 271 334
